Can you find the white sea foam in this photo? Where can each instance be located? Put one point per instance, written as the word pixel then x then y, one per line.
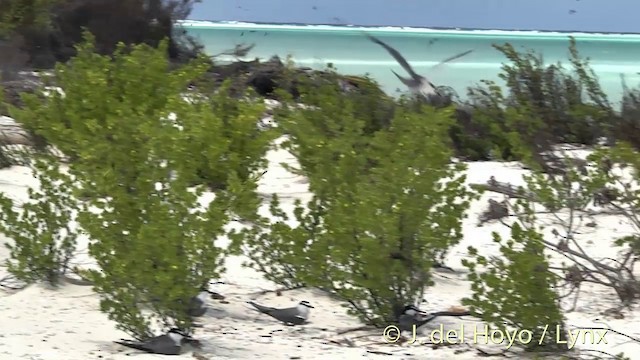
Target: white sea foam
pixel 404 29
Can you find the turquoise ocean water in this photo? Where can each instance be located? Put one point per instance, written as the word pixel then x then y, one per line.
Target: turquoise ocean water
pixel 612 55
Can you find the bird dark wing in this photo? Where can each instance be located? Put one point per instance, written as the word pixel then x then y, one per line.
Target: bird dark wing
pixel 196 307
pixel 454 57
pixel 158 345
pixel 434 315
pixel 449 59
pixel 163 349
pixel 396 55
pixel 450 313
pixel 288 315
pixel 197 311
pixel 407 82
pixel 163 344
pixel 263 309
pixel 407 322
pixel 134 345
pixel 437 265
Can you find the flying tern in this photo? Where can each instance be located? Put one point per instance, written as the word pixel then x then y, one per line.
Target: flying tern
pixel 418 84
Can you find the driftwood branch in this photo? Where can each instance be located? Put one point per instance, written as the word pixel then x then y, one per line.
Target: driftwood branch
pixel 616 274
pixel 518 192
pixel 278 291
pixel 508 189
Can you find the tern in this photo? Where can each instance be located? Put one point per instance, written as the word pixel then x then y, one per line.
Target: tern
pixel 198 303
pixel 174 342
pixel 409 317
pixel 418 84
pixel 412 316
pixel 296 315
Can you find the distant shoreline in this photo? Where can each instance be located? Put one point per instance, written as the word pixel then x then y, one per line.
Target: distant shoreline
pixel 391 28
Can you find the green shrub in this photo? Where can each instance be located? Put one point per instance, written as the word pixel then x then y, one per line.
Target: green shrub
pixel 135 165
pixel 543 105
pixel 244 144
pixel 43 241
pixel 627 126
pixel 516 289
pixel 386 204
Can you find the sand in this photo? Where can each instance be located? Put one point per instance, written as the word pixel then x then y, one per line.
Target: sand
pixel 66 324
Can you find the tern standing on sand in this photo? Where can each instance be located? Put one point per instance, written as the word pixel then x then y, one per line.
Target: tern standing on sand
pixel 296 315
pixel 174 342
pixel 418 84
pixel 412 316
pixel 198 303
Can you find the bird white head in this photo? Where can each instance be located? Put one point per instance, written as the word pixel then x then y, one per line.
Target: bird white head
pixel 305 303
pixel 176 335
pixel 303 308
pixel 203 295
pixel 412 310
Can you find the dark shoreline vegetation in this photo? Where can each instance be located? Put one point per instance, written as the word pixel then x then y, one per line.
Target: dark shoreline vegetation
pixel 385 189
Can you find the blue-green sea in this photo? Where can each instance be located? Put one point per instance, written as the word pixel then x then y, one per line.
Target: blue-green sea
pixel 346 47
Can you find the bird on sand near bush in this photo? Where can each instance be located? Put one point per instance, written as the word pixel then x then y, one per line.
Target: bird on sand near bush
pixel 410 316
pixel 198 303
pixel 296 315
pixel 174 342
pixel 418 84
pixel 413 316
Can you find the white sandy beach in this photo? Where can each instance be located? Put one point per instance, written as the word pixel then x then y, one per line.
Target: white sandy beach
pixel 39 323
